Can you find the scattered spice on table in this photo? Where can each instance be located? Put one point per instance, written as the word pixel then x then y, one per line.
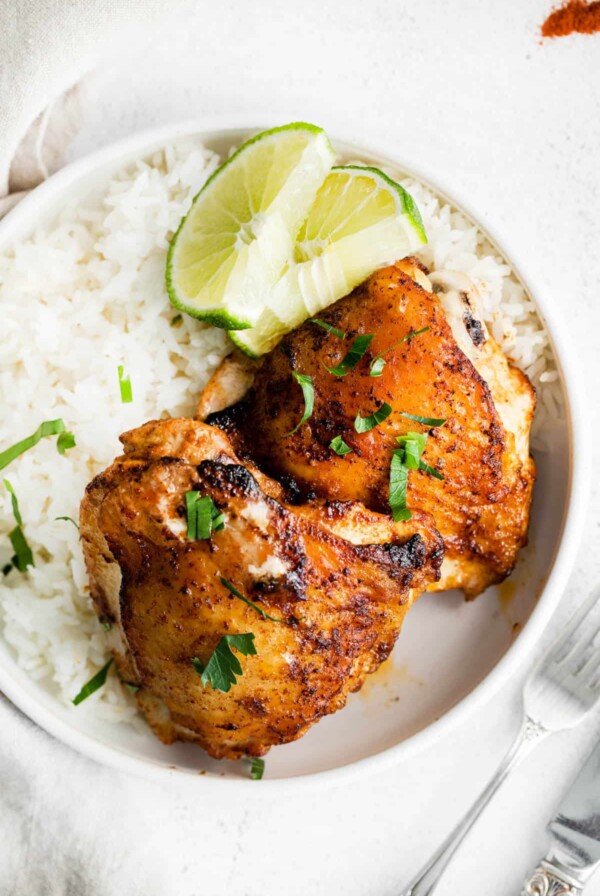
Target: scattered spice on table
pixel 574 16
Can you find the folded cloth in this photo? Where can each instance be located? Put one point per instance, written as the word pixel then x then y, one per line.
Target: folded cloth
pixel 46 47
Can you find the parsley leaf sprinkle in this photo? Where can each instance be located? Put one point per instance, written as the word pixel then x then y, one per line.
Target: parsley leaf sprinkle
pixel 308 391
pixel 405 458
pixel 65 441
pixel 352 356
pixel 377 365
pixel 378 362
pixel 47 428
pixel 223 666
pixel 68 519
pixel 233 590
pixel 339 446
pixel 325 326
pixel 426 421
pixel 203 517
pixel 125 386
pixel 398 484
pixel 23 556
pixel 431 470
pixel 94 684
pixel 364 424
pixel 257 767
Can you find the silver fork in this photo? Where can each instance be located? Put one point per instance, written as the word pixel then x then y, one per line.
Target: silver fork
pixel 559 693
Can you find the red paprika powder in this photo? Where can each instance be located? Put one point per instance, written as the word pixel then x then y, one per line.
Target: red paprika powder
pixel 573 16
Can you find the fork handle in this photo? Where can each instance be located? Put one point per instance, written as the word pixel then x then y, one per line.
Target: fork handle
pixel 530 734
pixel 549 879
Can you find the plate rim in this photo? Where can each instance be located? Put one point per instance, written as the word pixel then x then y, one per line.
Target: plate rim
pixel 217 128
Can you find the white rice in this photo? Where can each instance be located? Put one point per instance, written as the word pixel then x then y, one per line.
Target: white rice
pixel 86 294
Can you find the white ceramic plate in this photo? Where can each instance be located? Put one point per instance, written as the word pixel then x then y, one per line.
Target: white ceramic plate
pixel 451 655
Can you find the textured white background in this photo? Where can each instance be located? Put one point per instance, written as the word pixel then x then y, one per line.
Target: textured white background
pixel 466 91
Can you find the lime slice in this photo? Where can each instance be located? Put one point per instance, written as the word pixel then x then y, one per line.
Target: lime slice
pixel 360 220
pixel 237 237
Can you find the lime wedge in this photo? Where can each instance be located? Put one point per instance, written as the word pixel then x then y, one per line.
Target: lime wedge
pixel 238 236
pixel 360 220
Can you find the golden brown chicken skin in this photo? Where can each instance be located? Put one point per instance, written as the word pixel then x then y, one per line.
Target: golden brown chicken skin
pixel 338 577
pixel 482 506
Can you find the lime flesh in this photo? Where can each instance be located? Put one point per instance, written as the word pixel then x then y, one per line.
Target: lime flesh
pixel 232 246
pixel 359 221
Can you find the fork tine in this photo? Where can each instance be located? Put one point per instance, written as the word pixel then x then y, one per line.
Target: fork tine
pixel 572 637
pixel 589 669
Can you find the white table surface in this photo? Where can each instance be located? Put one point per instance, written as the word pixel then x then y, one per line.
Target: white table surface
pixel 467 91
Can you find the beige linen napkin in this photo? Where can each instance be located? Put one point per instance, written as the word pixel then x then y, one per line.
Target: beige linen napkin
pixel 46 47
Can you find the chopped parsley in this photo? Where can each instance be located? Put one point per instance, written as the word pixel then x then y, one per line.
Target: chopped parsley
pixel 308 391
pixel 325 326
pixel 125 386
pixel 339 446
pixel 68 519
pixel 47 428
pixel 378 362
pixel 406 457
pixel 223 666
pixel 65 441
pixel 233 590
pixel 352 356
pixel 431 470
pixel 377 365
pixel 94 684
pixel 23 556
pixel 257 767
pixel 203 517
pixel 364 424
pixel 398 484
pixel 426 421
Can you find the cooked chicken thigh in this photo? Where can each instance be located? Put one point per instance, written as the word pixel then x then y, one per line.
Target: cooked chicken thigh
pixel 453 371
pixel 335 578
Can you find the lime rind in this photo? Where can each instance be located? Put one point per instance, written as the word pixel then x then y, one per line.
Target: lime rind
pixel 237 237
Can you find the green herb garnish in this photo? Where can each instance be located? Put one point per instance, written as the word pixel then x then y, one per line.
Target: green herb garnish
pixel 48 428
pixel 257 767
pixel 68 519
pixel 407 457
pixel 94 684
pixel 233 590
pixel 339 446
pixel 426 421
pixel 223 666
pixel 431 470
pixel 176 320
pixel 125 386
pixel 378 362
pixel 377 365
pixel 398 484
pixel 23 556
pixel 203 517
pixel 413 444
pixel 352 356
pixel 65 441
pixel 364 424
pixel 328 327
pixel 308 391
